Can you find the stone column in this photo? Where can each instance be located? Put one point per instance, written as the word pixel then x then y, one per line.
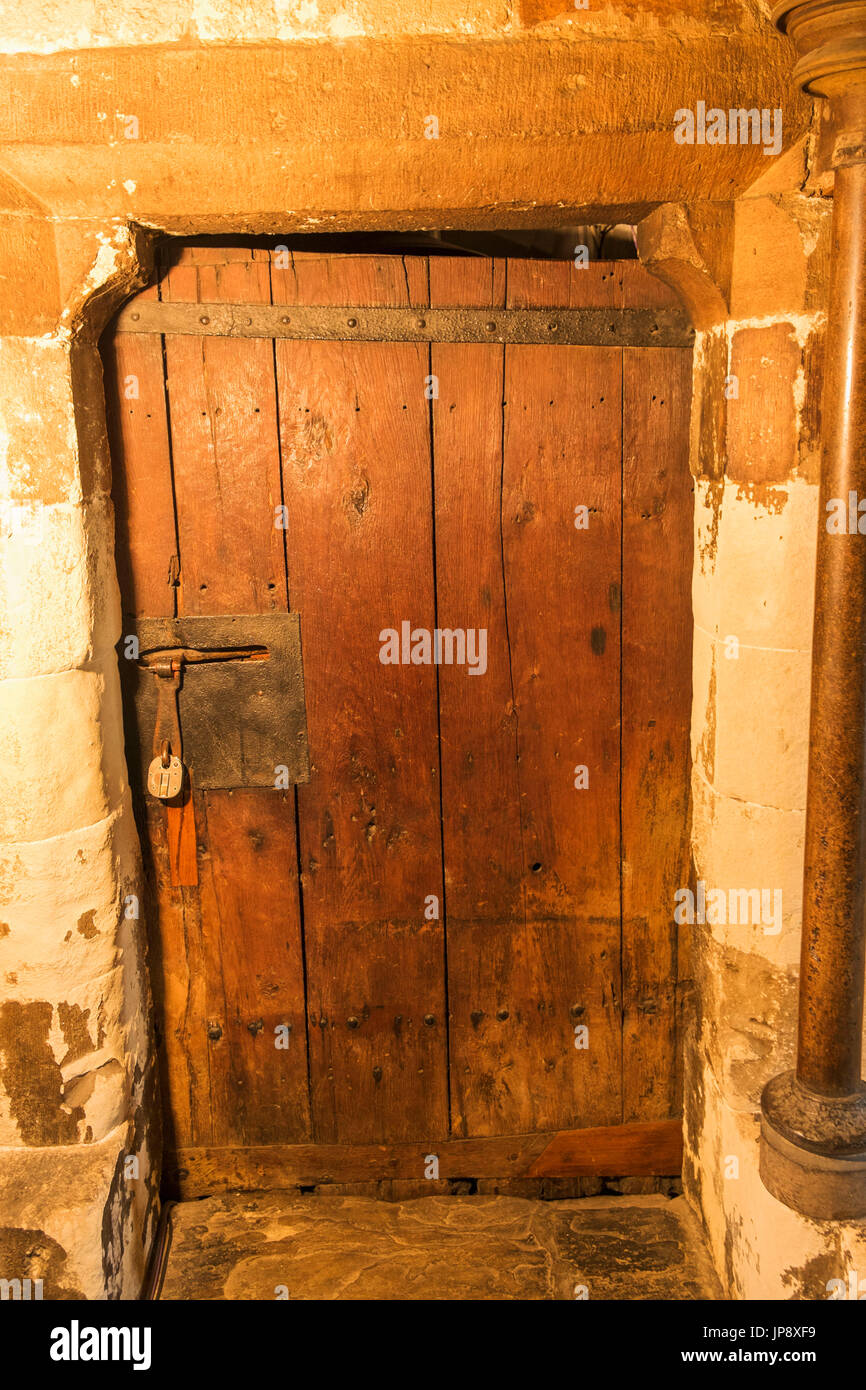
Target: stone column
pixel 813 1135
pixel 78 1115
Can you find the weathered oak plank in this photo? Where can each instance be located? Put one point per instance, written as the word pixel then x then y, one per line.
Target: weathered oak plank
pixel 356 480
pixel 653 1149
pixel 658 509
pixel 522 436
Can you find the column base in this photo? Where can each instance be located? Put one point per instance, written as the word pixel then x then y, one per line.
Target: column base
pixel 813 1150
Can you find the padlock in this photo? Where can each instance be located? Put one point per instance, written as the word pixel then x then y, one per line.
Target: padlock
pixel 165 775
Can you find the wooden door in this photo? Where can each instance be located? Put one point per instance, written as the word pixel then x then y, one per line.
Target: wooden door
pixel 456 941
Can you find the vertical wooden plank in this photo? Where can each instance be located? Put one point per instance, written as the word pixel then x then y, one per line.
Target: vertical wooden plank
pixel 356 477
pixel 143 498
pixel 316 277
pixel 657 625
pixel 178 971
pixel 561 284
pixel 141 475
pixel 532 863
pixel 251 898
pixel 225 444
pixel 480 786
pixel 563 600
pixel 181 836
pixel 224 437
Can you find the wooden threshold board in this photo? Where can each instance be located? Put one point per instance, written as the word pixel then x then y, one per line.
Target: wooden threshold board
pixel 648 1149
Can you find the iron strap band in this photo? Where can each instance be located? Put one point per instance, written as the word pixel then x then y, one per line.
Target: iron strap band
pixel 167 725
pixel 579 327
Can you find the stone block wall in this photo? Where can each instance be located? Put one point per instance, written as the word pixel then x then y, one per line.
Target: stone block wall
pixel 755 457
pixel 79 1131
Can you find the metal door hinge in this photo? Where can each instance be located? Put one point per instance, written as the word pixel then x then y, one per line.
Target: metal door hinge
pixel 588 327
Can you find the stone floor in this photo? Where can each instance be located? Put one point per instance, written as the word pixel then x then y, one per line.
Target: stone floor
pixel 279 1245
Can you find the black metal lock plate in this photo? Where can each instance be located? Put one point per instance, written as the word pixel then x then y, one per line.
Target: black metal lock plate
pixel 242 720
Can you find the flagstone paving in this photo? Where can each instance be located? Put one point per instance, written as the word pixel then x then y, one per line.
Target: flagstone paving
pixel 278 1244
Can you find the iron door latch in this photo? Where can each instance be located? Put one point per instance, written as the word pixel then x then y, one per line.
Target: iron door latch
pixel 240 697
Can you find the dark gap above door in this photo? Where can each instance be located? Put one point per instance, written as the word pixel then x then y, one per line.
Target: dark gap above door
pixel 603 242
